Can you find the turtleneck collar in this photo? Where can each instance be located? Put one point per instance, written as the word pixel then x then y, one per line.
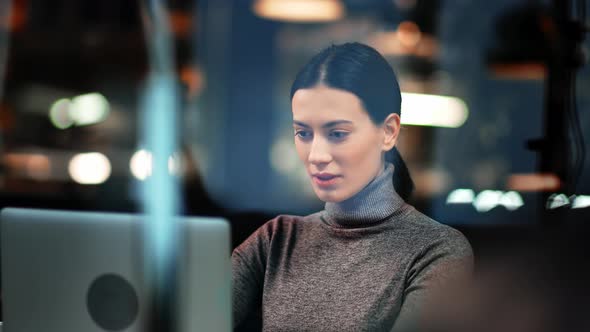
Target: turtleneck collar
pixel 374 203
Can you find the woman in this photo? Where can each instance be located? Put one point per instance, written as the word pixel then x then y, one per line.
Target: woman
pixel 368 261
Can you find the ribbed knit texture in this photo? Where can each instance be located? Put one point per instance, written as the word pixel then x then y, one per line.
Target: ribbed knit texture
pixel 375 203
pixel 369 263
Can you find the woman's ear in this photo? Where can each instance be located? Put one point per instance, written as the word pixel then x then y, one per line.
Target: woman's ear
pixel 391 127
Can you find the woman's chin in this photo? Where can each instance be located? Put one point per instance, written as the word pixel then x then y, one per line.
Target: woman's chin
pixel 328 196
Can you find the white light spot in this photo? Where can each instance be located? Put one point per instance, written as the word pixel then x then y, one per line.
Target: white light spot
pixel 432 110
pixel 487 200
pixel 283 157
pixel 176 164
pixel 141 164
pixel 511 200
pixel 59 114
pixel 89 109
pixel 461 196
pixel 557 200
pixel 582 201
pixel 89 168
pixel 300 10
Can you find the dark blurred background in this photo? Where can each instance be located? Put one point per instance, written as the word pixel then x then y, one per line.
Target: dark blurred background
pixel 496 106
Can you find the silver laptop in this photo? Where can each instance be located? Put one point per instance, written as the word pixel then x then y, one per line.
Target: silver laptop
pixel 65 271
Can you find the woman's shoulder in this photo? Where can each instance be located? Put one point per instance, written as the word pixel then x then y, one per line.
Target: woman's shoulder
pixel 427 231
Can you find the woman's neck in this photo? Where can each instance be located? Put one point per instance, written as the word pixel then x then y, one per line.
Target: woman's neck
pixel 374 203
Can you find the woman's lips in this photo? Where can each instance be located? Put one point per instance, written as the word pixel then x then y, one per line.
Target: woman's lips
pixel 325 180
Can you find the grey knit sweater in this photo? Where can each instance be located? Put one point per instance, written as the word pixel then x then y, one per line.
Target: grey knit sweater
pixel 365 264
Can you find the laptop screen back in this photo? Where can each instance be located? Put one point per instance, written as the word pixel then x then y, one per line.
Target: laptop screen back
pixel 83 271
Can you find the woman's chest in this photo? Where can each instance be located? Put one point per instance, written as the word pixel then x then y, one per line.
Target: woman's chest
pixel 343 285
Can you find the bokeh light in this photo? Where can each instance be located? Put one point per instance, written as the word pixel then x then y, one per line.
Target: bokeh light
pixel 408 33
pixel 300 10
pixel 581 201
pixel 141 164
pixel 36 166
pixel 511 200
pixel 89 109
pixel 556 201
pixel 59 114
pixel 283 156
pixel 90 168
pixel 432 110
pixel 487 200
pixel 534 182
pixel 39 167
pixel 461 196
pixel 81 110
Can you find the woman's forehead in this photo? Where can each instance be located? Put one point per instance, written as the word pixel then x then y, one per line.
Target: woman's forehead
pixel 326 104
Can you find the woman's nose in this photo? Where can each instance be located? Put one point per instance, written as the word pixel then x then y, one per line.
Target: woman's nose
pixel 319 152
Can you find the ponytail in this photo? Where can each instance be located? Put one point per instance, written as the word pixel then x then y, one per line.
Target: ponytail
pixel 402 181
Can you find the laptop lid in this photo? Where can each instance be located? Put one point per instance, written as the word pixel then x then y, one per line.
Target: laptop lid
pixel 83 271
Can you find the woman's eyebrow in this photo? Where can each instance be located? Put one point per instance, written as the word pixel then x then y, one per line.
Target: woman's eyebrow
pixel 326 125
pixel 299 123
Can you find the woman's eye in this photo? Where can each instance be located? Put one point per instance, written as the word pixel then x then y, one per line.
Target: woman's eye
pixel 338 134
pixel 302 134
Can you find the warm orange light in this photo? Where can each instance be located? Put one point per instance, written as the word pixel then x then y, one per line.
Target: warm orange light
pixel 299 10
pixel 427 48
pixel 430 182
pixel 16 18
pixel 387 43
pixel 39 167
pixel 32 165
pixel 519 71
pixel 406 40
pixel 533 182
pixel 192 76
pixel 6 117
pixel 408 34
pixel 180 23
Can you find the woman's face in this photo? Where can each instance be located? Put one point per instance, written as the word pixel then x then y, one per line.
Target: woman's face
pixel 341 148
